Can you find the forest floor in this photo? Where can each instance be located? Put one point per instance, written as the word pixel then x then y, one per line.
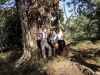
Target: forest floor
pixel 78 58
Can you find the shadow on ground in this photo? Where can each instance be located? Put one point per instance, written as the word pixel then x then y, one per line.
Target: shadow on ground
pixel 86 57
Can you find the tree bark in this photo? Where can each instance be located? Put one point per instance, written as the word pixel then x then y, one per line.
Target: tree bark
pixel 1 38
pixel 29 45
pixel 36 14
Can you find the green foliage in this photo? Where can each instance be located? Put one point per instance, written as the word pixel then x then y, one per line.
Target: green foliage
pixel 3 1
pixel 82 27
pixel 12 30
pixel 58 19
pixel 11 27
pixel 1 59
pixel 30 69
pixel 84 24
pixel 15 55
pixel 10 71
pixel 97 1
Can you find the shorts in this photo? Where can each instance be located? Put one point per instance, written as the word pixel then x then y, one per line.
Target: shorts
pixel 53 41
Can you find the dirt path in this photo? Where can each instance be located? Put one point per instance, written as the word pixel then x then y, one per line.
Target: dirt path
pixel 61 66
pixel 77 59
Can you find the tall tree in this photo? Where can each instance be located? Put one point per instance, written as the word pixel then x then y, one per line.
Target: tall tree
pixel 34 14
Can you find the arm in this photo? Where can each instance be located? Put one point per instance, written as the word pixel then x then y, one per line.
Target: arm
pixel 64 33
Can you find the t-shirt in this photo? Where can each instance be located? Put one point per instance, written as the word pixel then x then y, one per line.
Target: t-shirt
pixel 54 36
pixel 60 35
pixel 44 38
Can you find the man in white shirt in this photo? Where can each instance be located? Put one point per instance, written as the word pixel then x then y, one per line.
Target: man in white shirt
pixel 44 44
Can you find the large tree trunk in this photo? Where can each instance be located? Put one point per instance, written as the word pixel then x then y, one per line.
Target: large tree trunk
pixel 29 44
pixel 37 15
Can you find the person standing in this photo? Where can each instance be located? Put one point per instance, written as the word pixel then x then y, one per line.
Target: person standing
pixel 53 41
pixel 44 44
pixel 60 38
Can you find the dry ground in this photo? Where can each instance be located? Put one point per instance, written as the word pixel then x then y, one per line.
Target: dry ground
pixel 78 58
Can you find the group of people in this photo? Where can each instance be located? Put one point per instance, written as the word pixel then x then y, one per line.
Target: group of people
pixel 49 41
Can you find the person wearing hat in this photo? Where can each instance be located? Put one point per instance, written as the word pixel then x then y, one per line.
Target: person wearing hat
pixel 53 40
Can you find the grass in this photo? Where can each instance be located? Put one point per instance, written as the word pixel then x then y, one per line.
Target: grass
pixel 29 70
pixel 9 57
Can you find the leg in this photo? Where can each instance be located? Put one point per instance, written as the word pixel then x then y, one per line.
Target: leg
pixel 52 45
pixel 43 50
pixel 64 43
pixel 60 45
pixel 54 49
pixel 50 50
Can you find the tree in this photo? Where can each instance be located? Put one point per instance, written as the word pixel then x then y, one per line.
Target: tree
pixel 34 15
pixel 90 9
pixel 98 23
pixel 58 18
pixel 2 18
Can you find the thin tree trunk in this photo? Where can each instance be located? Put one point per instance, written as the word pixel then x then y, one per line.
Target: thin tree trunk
pixel 1 38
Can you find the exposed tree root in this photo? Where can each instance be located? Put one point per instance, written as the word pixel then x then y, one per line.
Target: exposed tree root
pixel 86 70
pixel 24 59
